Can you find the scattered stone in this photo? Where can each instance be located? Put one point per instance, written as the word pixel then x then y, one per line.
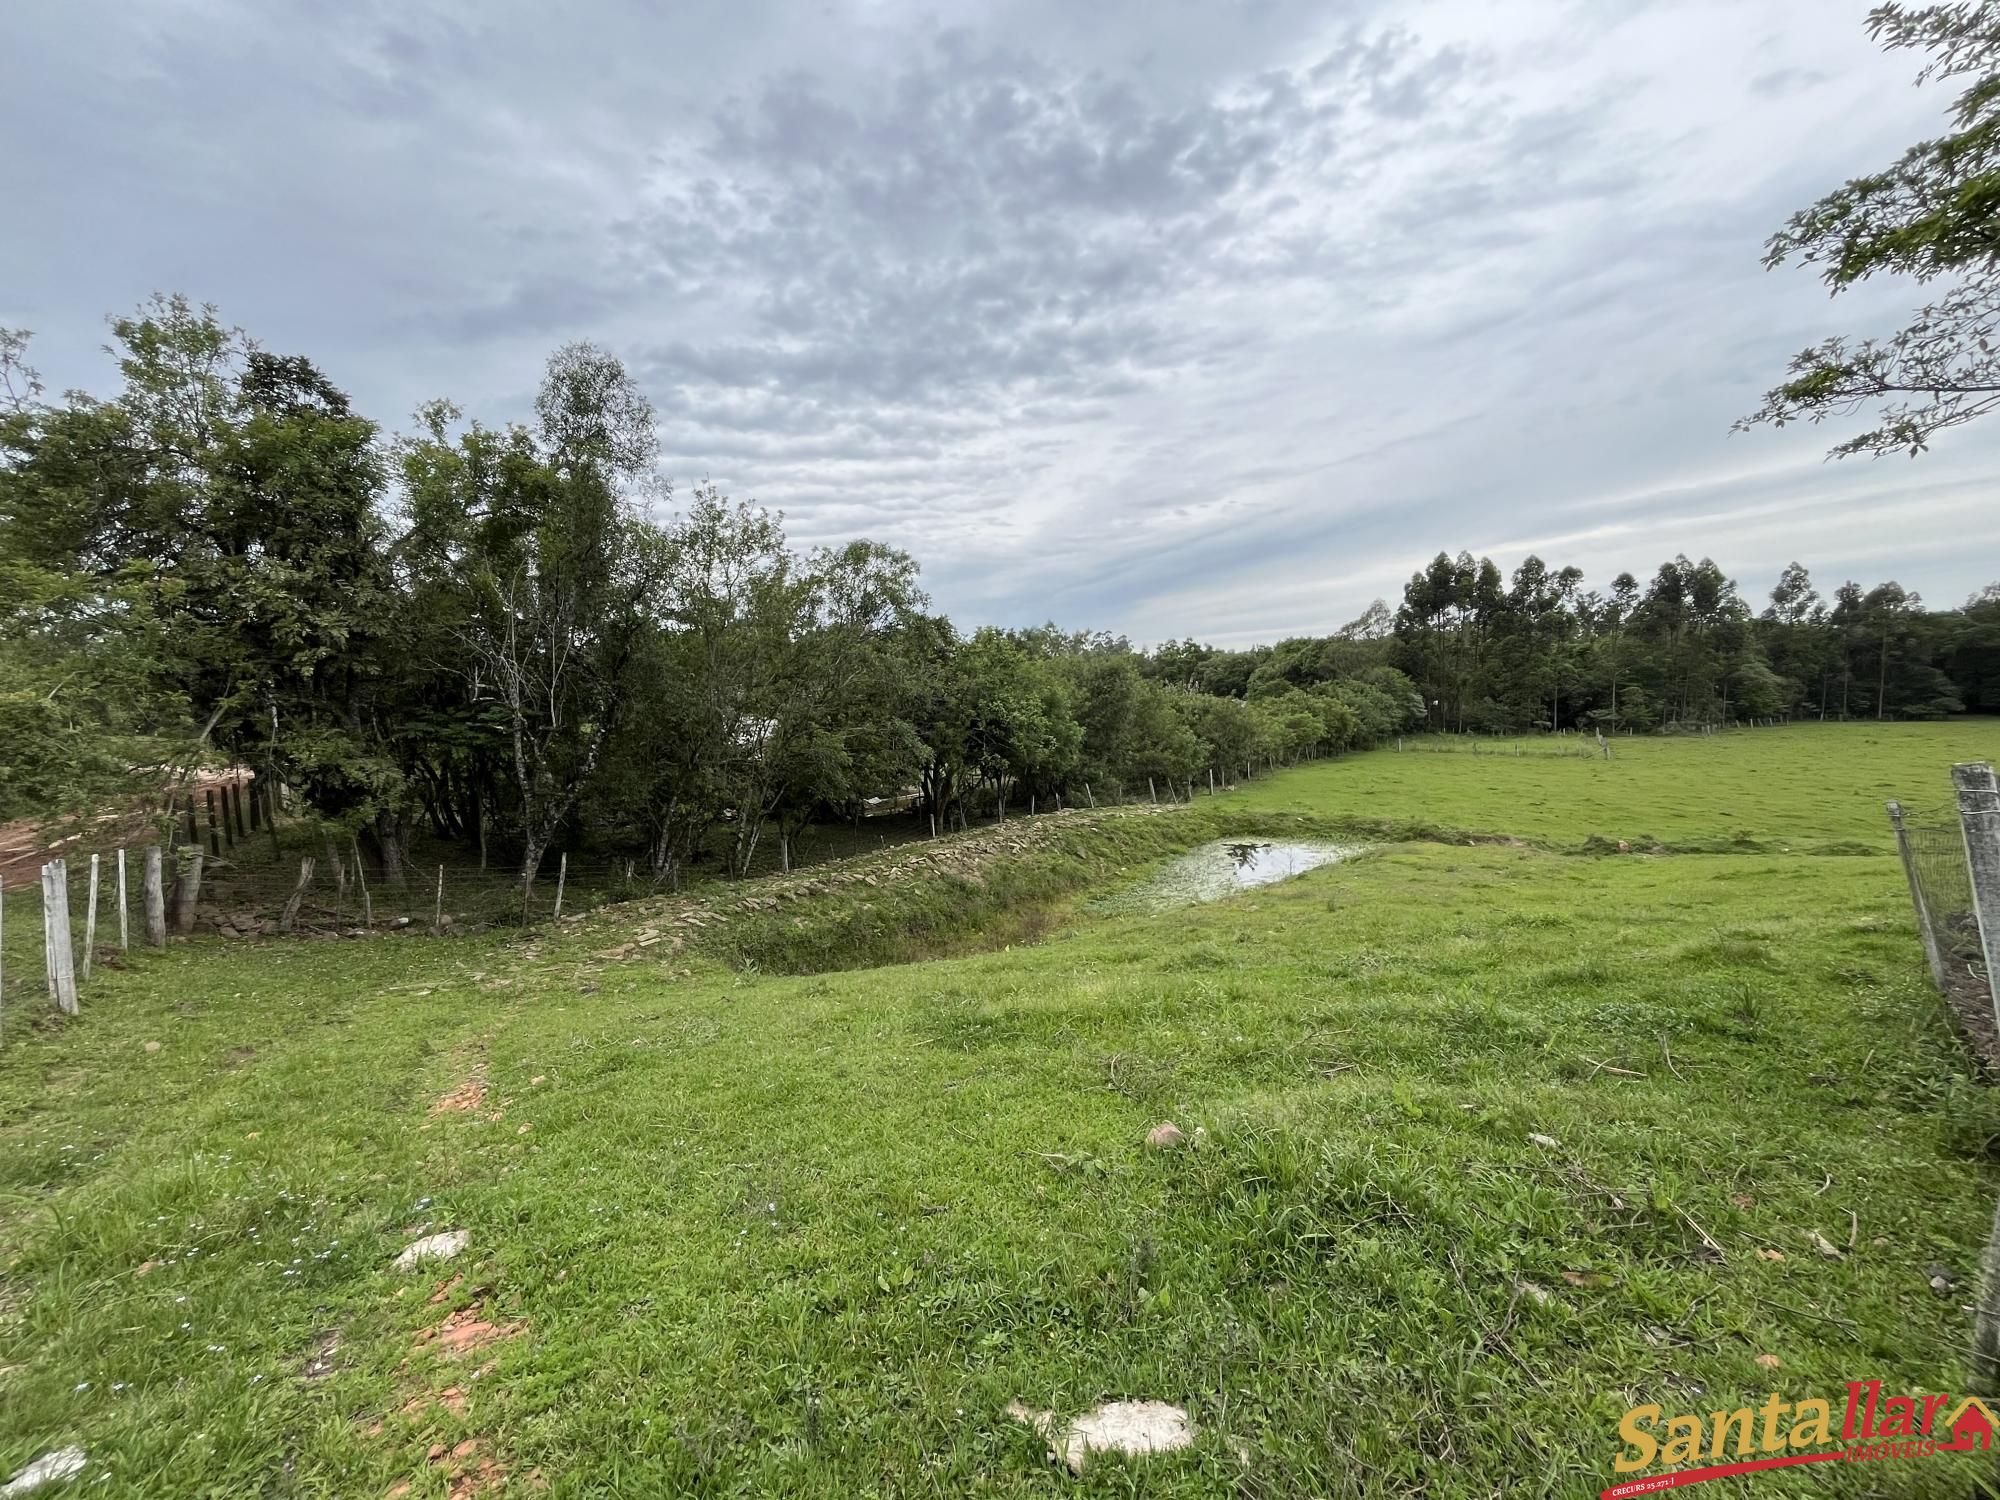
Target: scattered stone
pixel 1824 1246
pixel 1133 1427
pixel 1769 1361
pixel 50 1467
pixel 1164 1136
pixel 1540 1295
pixel 468 1096
pixel 1940 1278
pixel 451 1398
pixel 445 1289
pixel 1546 1142
pixel 433 1247
pixel 320 1362
pixel 465 1331
pixel 152 1046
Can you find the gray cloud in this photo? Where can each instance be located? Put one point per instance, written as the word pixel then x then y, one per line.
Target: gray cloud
pixel 1164 318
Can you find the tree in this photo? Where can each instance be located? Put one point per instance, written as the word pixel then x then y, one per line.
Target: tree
pixel 1933 215
pixel 535 534
pixel 215 530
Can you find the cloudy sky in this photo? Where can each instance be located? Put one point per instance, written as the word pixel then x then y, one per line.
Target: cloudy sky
pixel 1212 319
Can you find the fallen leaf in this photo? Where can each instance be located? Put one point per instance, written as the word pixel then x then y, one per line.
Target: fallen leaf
pixel 1769 1361
pixel 1768 1254
pixel 1825 1246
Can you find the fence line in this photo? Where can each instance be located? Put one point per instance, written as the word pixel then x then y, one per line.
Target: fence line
pixel 223 881
pixel 1951 859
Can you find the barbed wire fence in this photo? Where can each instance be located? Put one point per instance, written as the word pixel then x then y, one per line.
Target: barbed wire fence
pixel 230 863
pixel 1951 856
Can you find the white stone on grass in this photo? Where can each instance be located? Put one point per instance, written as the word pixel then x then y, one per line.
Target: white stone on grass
pixel 1133 1427
pixel 433 1247
pixel 47 1469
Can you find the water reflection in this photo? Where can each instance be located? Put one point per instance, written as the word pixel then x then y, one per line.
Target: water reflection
pixel 1225 866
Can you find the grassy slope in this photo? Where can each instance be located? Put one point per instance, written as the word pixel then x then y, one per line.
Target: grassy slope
pixel 809 1234
pixel 1799 787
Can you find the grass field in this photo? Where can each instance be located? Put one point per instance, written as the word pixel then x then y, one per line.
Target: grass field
pixel 747 1218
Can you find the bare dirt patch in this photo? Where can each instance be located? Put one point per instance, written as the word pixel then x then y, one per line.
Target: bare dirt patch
pixel 468 1098
pixel 465 1331
pixel 470 1470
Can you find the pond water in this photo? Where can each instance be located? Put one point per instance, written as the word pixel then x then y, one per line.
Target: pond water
pixel 1225 867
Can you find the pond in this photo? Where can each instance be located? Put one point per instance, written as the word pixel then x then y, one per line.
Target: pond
pixel 1224 867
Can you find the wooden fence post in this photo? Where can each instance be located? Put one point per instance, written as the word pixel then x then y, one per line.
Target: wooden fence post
pixel 361 879
pixel 187 891
pixel 238 795
pixel 1979 824
pixel 55 928
pixel 90 920
pixel 124 921
pixel 437 914
pixel 1151 795
pixel 1931 954
pixel 156 899
pixel 214 831
pixel 48 928
pixel 289 917
pixel 3 961
pixel 562 878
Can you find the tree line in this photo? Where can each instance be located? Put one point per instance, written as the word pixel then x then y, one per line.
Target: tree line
pixel 1538 651
pixel 510 637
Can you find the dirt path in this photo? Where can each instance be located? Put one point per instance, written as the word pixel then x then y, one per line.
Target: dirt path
pixel 27 842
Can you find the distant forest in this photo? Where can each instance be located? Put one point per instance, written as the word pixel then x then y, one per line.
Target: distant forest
pixel 1539 651
pixel 489 635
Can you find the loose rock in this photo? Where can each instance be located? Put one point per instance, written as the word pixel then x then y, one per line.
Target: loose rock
pixel 1164 1136
pixel 47 1469
pixel 1134 1427
pixel 433 1247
